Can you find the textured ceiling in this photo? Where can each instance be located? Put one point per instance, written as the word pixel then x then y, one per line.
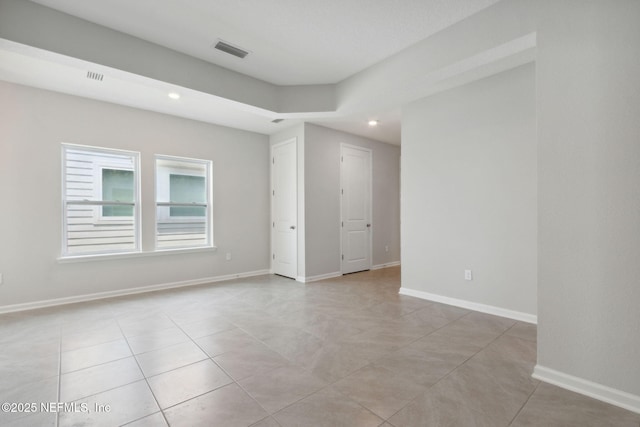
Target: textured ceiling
pixel 292 42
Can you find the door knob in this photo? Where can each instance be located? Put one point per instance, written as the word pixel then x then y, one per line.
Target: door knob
pixel 293 227
pixel 368 225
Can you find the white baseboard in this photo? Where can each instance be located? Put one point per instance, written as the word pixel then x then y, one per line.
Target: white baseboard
pixel 307 279
pixel 470 305
pixel 122 292
pixel 606 394
pixel 385 265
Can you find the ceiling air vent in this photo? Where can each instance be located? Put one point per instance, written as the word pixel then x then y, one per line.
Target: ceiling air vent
pixel 232 50
pixel 95 76
pixel 276 120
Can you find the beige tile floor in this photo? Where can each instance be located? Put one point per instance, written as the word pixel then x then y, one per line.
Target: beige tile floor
pixel 268 351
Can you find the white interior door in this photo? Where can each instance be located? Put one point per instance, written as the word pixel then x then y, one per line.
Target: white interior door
pixel 284 209
pixel 355 178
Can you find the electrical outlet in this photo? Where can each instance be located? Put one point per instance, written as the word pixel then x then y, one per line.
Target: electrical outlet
pixel 386 248
pixel 228 256
pixel 468 275
pixel 1 278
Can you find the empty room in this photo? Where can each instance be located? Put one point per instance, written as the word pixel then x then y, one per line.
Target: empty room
pixel 298 213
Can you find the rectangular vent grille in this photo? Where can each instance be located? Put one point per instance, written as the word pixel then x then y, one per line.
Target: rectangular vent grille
pixel 231 50
pixel 276 120
pixel 95 76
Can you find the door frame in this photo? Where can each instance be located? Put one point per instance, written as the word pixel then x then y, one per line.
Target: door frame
pixel 272 219
pixel 341 228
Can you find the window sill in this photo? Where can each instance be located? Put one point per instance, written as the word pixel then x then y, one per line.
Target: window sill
pixel 128 255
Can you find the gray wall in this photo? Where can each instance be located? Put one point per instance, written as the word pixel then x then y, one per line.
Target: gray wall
pixel 322 192
pixel 589 206
pixel 469 197
pixel 587 98
pixel 35 122
pixel 319 197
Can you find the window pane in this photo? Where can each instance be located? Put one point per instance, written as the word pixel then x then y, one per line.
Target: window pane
pixel 117 185
pixel 84 172
pixel 187 189
pixel 180 233
pixel 85 235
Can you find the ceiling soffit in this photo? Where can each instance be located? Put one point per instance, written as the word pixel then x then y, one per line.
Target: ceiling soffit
pixel 475 48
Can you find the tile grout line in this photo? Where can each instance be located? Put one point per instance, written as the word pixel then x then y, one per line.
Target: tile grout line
pixel 270 415
pixel 221 368
pixel 372 362
pixel 454 369
pixel 96 365
pixel 59 373
pixel 359 404
pixel 525 403
pixel 211 358
pixel 143 376
pixel 486 346
pixel 329 385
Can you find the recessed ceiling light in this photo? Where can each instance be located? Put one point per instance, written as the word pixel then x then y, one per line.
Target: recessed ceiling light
pixel 174 95
pixel 373 123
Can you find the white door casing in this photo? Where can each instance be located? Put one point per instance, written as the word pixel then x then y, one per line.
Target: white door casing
pixel 356 226
pixel 284 209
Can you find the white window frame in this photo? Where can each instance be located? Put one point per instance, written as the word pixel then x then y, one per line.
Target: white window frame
pixel 98 203
pixel 208 205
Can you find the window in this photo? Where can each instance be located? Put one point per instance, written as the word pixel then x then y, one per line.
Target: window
pixel 187 189
pixel 117 184
pixel 100 200
pixel 183 203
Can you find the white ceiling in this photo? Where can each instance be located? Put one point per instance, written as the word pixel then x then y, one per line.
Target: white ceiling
pixel 292 42
pixel 45 70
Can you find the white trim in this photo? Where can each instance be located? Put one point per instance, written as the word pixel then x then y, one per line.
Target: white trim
pixel 385 265
pixel 122 292
pixel 597 391
pixel 125 255
pixel 483 308
pixel 318 277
